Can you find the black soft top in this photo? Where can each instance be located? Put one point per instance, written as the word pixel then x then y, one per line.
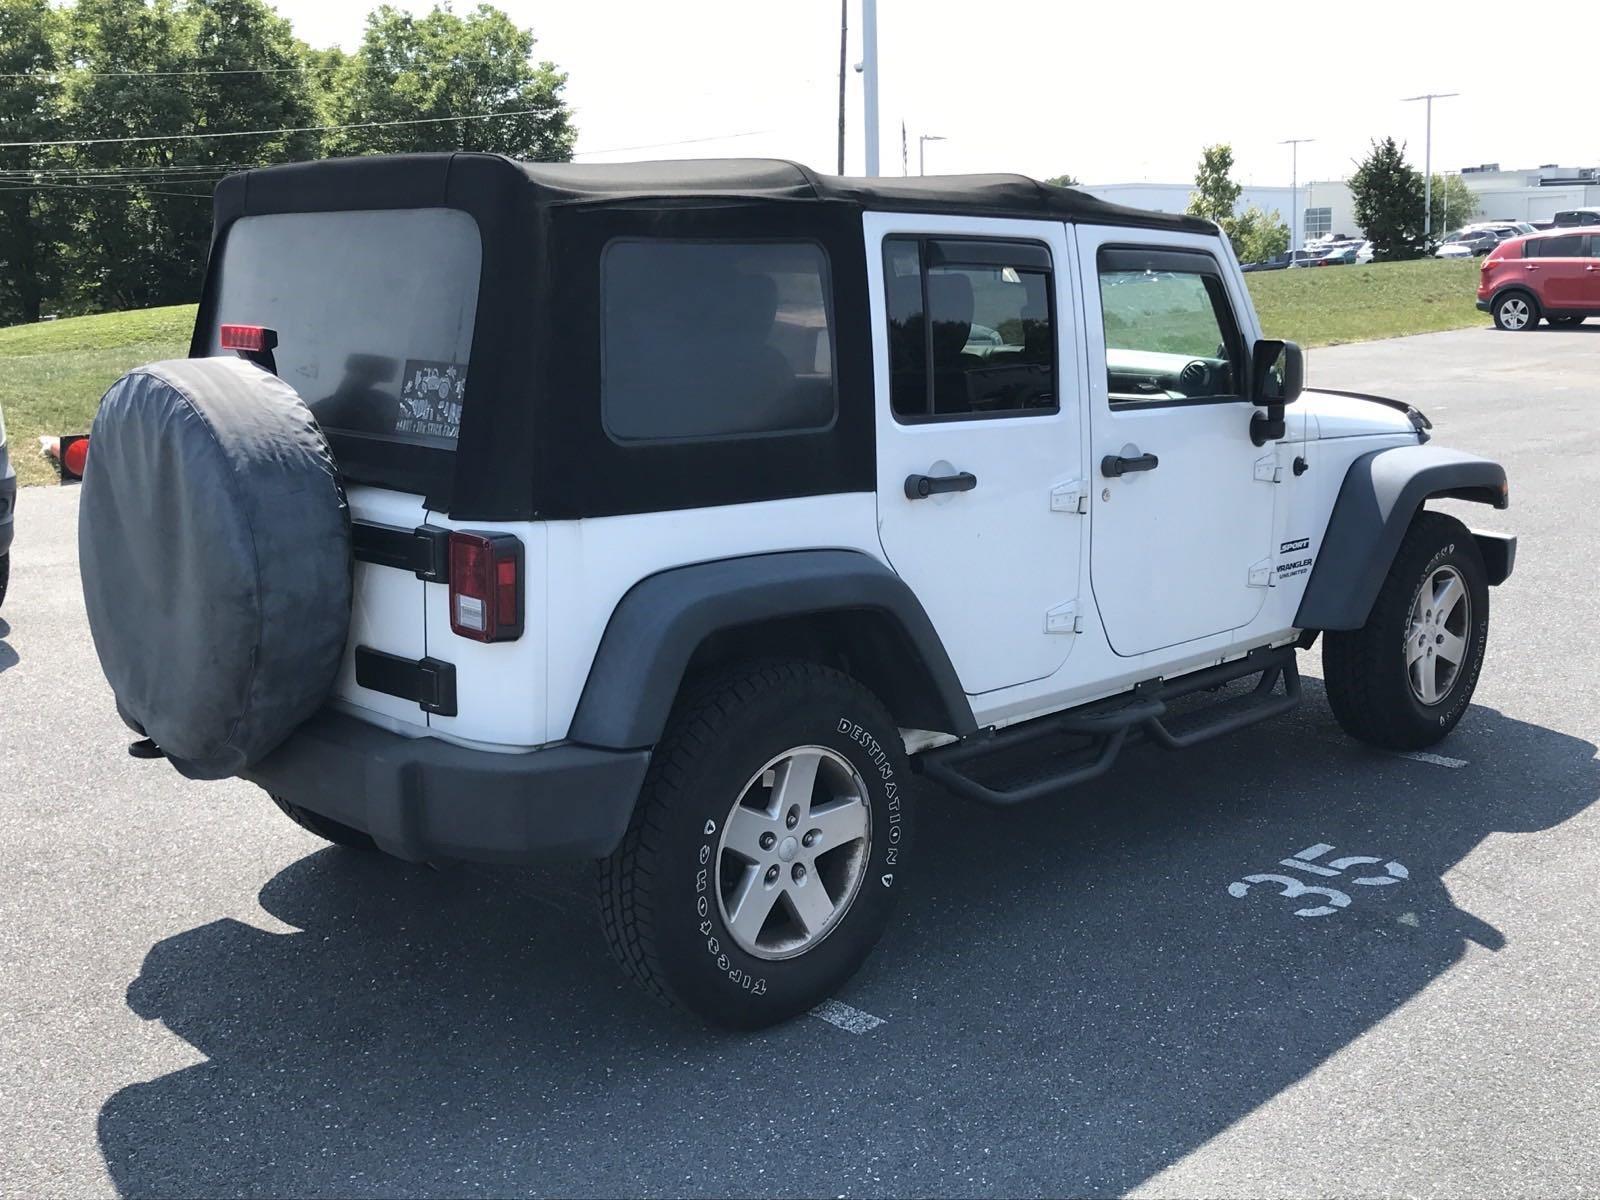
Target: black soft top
pixel 532 442
pixel 550 185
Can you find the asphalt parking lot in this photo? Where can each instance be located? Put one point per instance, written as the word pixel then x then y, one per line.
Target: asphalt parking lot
pixel 199 999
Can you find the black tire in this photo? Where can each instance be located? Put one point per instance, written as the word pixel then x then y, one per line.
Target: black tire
pixel 1368 679
pixel 1565 322
pixel 1508 316
pixel 5 574
pixel 663 908
pixel 325 828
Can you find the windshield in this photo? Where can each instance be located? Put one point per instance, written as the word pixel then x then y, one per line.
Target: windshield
pixel 374 313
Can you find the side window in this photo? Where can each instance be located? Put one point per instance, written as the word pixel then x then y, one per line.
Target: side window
pixel 971 328
pixel 705 340
pixel 1594 245
pixel 1567 246
pixel 1169 328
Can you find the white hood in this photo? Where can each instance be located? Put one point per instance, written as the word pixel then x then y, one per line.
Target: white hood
pixel 1341 417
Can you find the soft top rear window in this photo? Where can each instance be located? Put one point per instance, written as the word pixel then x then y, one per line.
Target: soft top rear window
pixel 374 312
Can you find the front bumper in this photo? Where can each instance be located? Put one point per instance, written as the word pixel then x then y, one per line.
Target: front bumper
pixel 425 799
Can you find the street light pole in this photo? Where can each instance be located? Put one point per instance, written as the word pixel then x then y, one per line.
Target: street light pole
pixel 1427 159
pixel 869 80
pixel 1294 188
pixel 922 150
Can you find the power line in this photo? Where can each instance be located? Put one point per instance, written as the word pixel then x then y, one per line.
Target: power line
pixel 184 137
pixel 60 75
pixel 10 186
pixel 721 137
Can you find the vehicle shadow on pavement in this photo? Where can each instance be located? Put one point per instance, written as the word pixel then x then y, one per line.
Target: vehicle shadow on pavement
pixel 1074 999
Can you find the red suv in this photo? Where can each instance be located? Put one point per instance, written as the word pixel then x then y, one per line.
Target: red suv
pixel 1554 275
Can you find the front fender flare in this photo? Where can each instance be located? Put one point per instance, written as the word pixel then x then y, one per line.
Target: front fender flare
pixel 660 622
pixel 1381 493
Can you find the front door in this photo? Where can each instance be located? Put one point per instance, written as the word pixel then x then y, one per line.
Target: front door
pixel 1182 515
pixel 979 442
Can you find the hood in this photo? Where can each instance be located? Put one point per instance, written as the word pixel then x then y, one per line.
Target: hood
pixel 1343 416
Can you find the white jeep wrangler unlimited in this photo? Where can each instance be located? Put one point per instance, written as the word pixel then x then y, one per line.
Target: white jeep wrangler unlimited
pixel 674 514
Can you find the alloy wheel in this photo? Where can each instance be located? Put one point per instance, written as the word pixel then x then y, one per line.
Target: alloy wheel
pixel 1437 637
pixel 793 852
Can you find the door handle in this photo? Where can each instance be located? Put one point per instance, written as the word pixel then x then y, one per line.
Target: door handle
pixel 1113 465
pixel 920 487
pixel 1529 267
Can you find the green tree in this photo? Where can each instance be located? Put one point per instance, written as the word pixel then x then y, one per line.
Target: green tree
pixel 1257 235
pixel 1388 202
pixel 443 66
pixel 1454 204
pixel 144 227
pixel 1063 181
pixel 1215 191
pixel 31 207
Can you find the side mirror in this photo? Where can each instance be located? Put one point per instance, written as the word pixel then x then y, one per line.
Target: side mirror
pixel 1277 373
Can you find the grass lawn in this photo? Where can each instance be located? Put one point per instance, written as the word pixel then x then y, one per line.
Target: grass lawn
pixel 52 375
pixel 1328 305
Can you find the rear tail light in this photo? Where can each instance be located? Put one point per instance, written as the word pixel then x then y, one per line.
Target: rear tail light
pixel 486 586
pixel 70 453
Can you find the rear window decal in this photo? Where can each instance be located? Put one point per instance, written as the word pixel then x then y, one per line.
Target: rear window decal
pixel 430 398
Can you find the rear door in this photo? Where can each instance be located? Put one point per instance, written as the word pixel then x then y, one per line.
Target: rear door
pixel 1562 272
pixel 1181 536
pixel 374 312
pixel 979 435
pixel 1591 276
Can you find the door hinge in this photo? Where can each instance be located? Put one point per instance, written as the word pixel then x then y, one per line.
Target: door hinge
pixel 1261 574
pixel 1069 497
pixel 1063 618
pixel 1268 470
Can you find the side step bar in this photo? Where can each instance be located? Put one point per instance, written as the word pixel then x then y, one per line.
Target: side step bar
pixel 1090 738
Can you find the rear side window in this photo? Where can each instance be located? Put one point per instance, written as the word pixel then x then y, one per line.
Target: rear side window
pixel 986 346
pixel 713 339
pixel 374 313
pixel 1567 246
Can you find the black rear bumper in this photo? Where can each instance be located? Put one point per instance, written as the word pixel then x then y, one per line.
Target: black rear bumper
pixel 422 798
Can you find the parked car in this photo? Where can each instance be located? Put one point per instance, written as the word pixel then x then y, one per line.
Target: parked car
pixel 1578 216
pixel 1467 243
pixel 1342 255
pixel 1276 263
pixel 1553 275
pixel 8 507
pixel 1364 253
pixel 670 586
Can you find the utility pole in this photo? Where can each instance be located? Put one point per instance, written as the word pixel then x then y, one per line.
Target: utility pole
pixel 1294 145
pixel 1427 160
pixel 922 150
pixel 844 44
pixel 869 80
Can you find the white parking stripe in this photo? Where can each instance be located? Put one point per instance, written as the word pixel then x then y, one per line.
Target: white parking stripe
pixel 1438 760
pixel 851 1020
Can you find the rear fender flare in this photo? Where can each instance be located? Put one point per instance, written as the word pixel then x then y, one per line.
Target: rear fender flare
pixel 1381 493
pixel 663 619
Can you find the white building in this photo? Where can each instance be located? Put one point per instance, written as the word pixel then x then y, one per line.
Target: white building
pixel 1535 194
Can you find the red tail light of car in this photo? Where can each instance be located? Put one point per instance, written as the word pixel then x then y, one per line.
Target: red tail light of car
pixel 486 586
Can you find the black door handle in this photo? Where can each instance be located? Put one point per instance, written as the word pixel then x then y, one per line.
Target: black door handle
pixel 919 487
pixel 1114 464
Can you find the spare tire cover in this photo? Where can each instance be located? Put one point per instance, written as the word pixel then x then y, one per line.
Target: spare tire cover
pixel 214 542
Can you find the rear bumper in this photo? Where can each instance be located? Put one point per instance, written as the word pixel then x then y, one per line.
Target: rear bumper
pixel 423 799
pixel 1483 305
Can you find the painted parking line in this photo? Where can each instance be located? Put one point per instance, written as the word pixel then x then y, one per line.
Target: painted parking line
pixel 851 1020
pixel 1438 760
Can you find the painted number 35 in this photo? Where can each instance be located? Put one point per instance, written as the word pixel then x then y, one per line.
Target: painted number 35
pixel 1334 899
